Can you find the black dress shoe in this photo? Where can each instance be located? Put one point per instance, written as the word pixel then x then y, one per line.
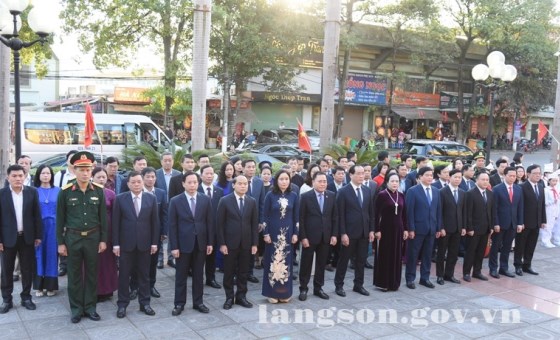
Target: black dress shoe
pixel 361 290
pixel 530 271
pixel 28 304
pixel 368 265
pixel 76 318
pixel 121 312
pixel 452 279
pixel 411 285
pixel 507 273
pixel 16 278
pixel 427 284
pixel 440 281
pixel 228 304
pixel 160 265
pixel 302 295
pixel 467 278
pixel 171 263
pixel 5 307
pixel 252 278
pixel 480 276
pixel 494 274
pixel 329 268
pixel 154 292
pixel 321 294
pixel 243 302
pixel 519 272
pixel 177 310
pixel 213 284
pixel 133 294
pixel 201 308
pixel 62 272
pixel 340 292
pixel 93 316
pixel 147 310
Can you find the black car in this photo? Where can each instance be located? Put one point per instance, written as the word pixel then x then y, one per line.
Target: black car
pixel 280 151
pixel 277 137
pixel 437 150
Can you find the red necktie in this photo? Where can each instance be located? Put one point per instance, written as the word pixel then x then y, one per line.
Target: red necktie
pixel 555 193
pixel 510 194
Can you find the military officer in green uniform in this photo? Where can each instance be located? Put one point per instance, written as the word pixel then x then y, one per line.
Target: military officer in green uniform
pixel 81 232
pixel 479 158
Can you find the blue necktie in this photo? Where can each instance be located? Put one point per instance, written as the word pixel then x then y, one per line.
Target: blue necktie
pixel 455 195
pixel 321 202
pixel 429 196
pixel 193 206
pixel 360 196
pixel 484 195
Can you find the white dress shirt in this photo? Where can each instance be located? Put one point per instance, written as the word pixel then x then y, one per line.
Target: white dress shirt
pixel 18 207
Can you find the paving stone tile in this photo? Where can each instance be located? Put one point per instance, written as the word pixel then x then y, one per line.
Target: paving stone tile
pixel 230 332
pixel 120 332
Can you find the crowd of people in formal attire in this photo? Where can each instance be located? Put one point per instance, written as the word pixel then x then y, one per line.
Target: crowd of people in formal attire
pixel 107 232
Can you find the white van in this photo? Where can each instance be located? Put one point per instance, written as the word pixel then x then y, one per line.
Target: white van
pixel 48 133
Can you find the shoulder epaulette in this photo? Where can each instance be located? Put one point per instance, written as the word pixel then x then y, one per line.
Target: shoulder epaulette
pixel 98 185
pixel 67 185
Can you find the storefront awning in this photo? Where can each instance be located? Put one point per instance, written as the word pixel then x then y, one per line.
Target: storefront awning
pixel 130 108
pixel 413 113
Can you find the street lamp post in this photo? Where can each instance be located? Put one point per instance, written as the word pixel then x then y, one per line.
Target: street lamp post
pixel 42 23
pixel 500 75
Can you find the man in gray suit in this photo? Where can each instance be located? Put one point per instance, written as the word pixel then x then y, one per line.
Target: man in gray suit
pixel 163 177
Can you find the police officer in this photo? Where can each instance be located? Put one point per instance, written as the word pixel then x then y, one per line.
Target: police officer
pixel 81 232
pixel 479 158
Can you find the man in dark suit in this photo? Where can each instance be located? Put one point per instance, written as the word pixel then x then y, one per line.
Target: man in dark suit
pixel 21 230
pixel 411 178
pixel 255 190
pixel 498 177
pixel 355 211
pixel 442 173
pixel 149 178
pixel 336 183
pixel 508 205
pixel 237 222
pixel 191 234
pixel 139 163
pixel 467 182
pixel 480 216
pixel 454 208
pixel 339 175
pixel 318 229
pixel 136 230
pixel 534 218
pixel 166 172
pixel 382 157
pixel 423 212
pixel 207 188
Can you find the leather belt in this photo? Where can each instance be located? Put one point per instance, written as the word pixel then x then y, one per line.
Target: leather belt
pixel 20 233
pixel 83 233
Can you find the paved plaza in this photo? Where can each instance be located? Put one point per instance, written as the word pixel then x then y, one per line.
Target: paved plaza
pixel 526 307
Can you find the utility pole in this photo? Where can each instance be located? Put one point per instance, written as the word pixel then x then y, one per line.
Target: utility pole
pixel 330 70
pixel 5 111
pixel 555 130
pixel 202 23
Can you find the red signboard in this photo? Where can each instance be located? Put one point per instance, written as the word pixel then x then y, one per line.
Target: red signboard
pixel 417 99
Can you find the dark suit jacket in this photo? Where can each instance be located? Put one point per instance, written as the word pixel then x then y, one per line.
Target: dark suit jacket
pixel 423 218
pixel 31 213
pixel 495 180
pixel 162 202
pixel 237 230
pixel 331 186
pixel 257 192
pixel 437 184
pixel 160 179
pixel 466 187
pixel 132 232
pixel 354 220
pixel 480 215
pixel 453 215
pixel 534 212
pixel 411 179
pixel 184 227
pixel 314 225
pixel 217 194
pixel 175 186
pixel 507 214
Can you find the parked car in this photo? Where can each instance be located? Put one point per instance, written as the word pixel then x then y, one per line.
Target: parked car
pixel 280 151
pixel 59 160
pixel 312 135
pixel 437 150
pixel 277 137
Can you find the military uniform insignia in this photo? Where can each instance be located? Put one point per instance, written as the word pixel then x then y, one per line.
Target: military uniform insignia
pixel 68 185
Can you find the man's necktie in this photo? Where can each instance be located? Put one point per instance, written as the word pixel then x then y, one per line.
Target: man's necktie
pixel 537 191
pixel 360 196
pixel 193 206
pixel 137 205
pixel 510 194
pixel 484 195
pixel 241 205
pixel 429 196
pixel 249 191
pixel 209 192
pixel 321 202
pixel 455 195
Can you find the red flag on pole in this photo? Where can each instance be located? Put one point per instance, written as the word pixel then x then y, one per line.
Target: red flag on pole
pixel 89 127
pixel 541 132
pixel 303 141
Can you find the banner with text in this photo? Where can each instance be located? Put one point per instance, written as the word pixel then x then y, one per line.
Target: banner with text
pixel 364 89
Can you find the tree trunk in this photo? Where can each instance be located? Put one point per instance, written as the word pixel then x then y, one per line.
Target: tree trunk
pixel 464 128
pixel 342 94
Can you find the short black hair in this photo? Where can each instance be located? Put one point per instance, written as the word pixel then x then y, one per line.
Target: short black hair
pixel 96 170
pixel 133 174
pixel 510 168
pixel 15 167
pixel 467 167
pixel 532 167
pixel 204 167
pixel 350 154
pixel 423 170
pixel 352 169
pixel 139 158
pixel 455 171
pixel 292 158
pixel 148 170
pixel 421 159
pixel 111 159
pixel 482 172
pixel 165 153
pixel 500 161
pixel 338 168
pixel 319 173
pixel 25 156
pixel 202 156
pixel 71 153
pixel 341 157
pixel 247 161
pixel 382 155
pixel 189 173
pixel 400 166
pixel 187 156
pixel 438 169
pixel 404 157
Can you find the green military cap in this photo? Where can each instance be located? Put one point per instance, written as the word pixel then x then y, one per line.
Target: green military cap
pixel 479 154
pixel 82 158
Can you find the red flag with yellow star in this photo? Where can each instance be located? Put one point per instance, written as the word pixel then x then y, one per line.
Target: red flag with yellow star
pixel 541 132
pixel 303 141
